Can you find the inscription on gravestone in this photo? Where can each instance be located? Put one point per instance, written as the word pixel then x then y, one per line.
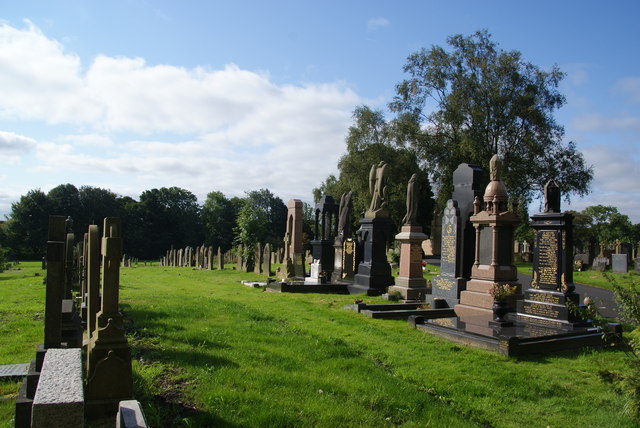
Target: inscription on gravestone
pixel 548 258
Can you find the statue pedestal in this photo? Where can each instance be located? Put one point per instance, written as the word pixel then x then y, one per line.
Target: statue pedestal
pixel 374 273
pixel 411 283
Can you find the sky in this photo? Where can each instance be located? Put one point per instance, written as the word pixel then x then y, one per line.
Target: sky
pixel 245 95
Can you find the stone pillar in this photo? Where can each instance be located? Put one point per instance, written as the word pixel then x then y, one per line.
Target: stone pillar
pixel 257 259
pixel 410 282
pixel 266 260
pixel 326 222
pixel 55 283
pixel 109 378
pixel 220 259
pixel 93 278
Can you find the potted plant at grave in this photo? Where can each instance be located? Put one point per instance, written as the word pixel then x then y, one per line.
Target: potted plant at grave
pixel 500 293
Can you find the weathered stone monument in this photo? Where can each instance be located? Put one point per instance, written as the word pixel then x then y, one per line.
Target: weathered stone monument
pixel 619 263
pixel 93 279
pixel 374 272
pixel 411 283
pixel 343 263
pixel 257 259
pixel 494 226
pixel 552 286
pixel 266 259
pixel 293 263
pixel 220 259
pixel 109 379
pixel 326 230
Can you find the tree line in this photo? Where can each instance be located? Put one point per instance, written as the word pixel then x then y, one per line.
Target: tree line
pixel 159 219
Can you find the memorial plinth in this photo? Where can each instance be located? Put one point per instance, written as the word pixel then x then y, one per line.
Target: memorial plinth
pixel 374 272
pixel 552 288
pixel 411 283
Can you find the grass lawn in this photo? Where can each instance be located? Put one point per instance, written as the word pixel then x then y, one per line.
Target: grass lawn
pixel 594 277
pixel 210 352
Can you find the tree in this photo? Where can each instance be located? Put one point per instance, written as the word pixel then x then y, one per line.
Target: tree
pixel 26 230
pixel 169 217
pixel 608 225
pixel 219 220
pixel 371 139
pixel 477 100
pixel 261 218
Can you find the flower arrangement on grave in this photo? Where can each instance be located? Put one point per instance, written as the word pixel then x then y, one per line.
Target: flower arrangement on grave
pixel 500 292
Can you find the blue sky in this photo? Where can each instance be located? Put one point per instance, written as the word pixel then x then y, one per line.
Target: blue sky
pixel 243 95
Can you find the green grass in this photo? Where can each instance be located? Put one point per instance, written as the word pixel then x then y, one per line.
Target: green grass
pixel 211 352
pixel 594 277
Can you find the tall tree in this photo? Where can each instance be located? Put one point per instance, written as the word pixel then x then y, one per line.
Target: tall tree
pixel 26 229
pixel 219 220
pixel 170 217
pixel 261 218
pixel 466 104
pixel 371 139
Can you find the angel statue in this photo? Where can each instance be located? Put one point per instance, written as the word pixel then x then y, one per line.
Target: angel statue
pixel 378 191
pixel 344 216
pixel 412 201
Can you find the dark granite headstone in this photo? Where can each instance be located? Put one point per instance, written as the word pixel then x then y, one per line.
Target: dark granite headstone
pixel 552 279
pixel 467 184
pixel 619 263
pixel 374 273
pixel 448 285
pixel 326 229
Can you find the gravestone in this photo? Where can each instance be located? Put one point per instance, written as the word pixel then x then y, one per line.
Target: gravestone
pixel 344 233
pixel 266 260
pixel 467 185
pixel 494 226
pixel 293 264
pixel 447 286
pixel 619 263
pixel 545 303
pixel 315 269
pixel 410 282
pixel 220 259
pixel 326 230
pixel 350 260
pixel 55 284
pixel 257 259
pixel 374 272
pixel 600 263
pixel 109 378
pixel 93 278
pixel 637 264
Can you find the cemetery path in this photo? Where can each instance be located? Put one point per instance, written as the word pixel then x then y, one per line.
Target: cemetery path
pixel 603 298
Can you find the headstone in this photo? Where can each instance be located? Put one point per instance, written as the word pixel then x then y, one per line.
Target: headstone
pixel 411 283
pixel 266 260
pixel 93 278
pixel 449 284
pixel 467 185
pixel 494 226
pixel 109 377
pixel 545 303
pixel 257 259
pixel 326 230
pixel 314 273
pixel 344 233
pixel 130 415
pixel 220 259
pixel 637 264
pixel 294 257
pixel 619 263
pixel 69 283
pixel 349 259
pixel 59 398
pixel 600 263
pixel 55 283
pixel 374 272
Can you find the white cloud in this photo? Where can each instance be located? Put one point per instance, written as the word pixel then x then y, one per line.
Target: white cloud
pixel 630 88
pixel 600 123
pixel 132 126
pixel 11 143
pixel 377 23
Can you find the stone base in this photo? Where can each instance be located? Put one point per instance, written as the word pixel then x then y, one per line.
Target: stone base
pixel 411 288
pixel 448 289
